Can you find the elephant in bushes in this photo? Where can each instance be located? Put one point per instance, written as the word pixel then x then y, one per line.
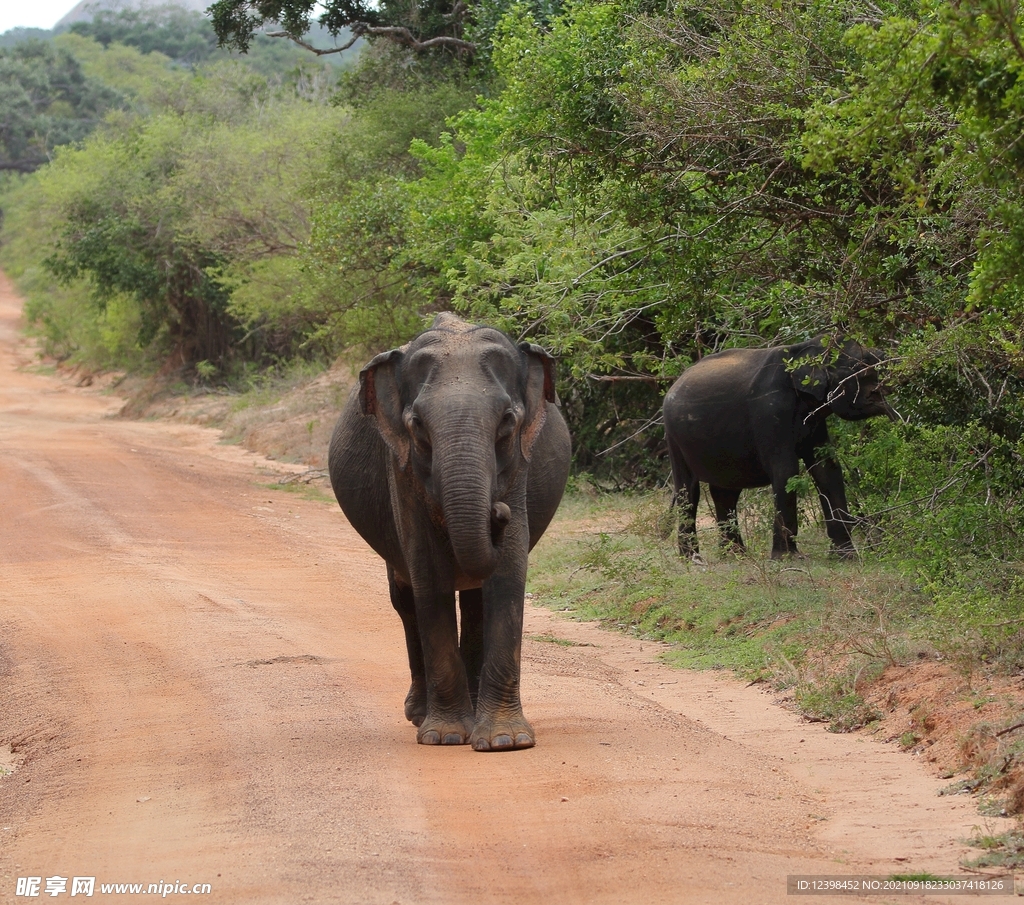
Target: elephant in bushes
pixel 450 459
pixel 746 417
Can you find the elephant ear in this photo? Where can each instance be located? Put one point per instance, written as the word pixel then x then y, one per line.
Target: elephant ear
pixel 810 377
pixel 379 396
pixel 540 390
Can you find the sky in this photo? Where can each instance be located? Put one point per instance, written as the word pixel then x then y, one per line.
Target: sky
pixel 32 13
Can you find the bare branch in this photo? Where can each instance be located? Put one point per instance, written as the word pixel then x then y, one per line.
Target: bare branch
pixel 398 34
pixel 320 52
pixel 651 422
pixel 403 36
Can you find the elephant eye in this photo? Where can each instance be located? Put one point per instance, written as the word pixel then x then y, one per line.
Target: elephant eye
pixel 419 432
pixel 507 424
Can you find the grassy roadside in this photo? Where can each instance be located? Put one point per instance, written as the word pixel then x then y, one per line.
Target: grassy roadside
pixel 817 626
pixel 857 645
pixel 287 414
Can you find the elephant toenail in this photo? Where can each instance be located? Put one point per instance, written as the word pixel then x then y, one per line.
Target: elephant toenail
pixel 452 738
pixel 524 741
pixel 431 737
pixel 481 744
pixel 502 741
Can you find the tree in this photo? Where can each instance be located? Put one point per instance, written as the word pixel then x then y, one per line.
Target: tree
pixel 186 37
pixel 182 34
pixel 425 25
pixel 651 185
pixel 174 210
pixel 45 101
pixel 935 111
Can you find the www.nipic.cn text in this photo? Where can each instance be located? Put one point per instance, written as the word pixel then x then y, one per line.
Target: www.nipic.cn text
pixel 87 886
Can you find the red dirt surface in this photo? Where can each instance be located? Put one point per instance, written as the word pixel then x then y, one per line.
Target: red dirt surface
pixel 201 680
pixel 955 722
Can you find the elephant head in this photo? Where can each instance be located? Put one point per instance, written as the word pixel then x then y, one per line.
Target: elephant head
pixel 841 380
pixel 460 408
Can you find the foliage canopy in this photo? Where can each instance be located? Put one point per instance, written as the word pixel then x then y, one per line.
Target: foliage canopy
pixel 46 100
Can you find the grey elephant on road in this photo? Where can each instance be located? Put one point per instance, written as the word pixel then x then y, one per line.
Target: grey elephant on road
pixel 450 460
pixel 748 417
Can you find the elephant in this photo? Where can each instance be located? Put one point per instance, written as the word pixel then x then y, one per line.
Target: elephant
pixel 450 459
pixel 746 417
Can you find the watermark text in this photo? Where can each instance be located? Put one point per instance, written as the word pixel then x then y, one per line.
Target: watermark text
pixel 859 885
pixel 36 887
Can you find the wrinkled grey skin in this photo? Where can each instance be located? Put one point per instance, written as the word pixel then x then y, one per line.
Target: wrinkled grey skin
pixel 450 460
pixel 747 417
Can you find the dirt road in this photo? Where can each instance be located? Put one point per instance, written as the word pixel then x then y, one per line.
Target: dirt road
pixel 201 681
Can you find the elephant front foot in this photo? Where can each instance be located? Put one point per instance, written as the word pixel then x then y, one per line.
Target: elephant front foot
pixel 439 731
pixel 786 549
pixel 416 702
pixel 502 733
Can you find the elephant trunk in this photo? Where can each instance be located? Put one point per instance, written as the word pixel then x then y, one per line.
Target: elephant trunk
pixel 475 521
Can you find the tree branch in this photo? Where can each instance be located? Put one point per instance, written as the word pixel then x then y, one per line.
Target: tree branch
pixel 403 36
pixel 317 50
pixel 398 34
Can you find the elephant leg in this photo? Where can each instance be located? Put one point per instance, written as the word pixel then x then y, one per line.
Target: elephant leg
pixel 449 715
pixel 405 605
pixel 471 637
pixel 500 723
pixel 685 497
pixel 785 527
pixel 725 512
pixel 828 479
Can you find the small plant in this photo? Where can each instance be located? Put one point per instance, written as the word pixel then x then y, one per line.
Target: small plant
pixel 652 518
pixel 922 717
pixel 205 372
pixel 836 702
pixel 799 483
pixel 994 753
pixel 909 739
pixel 1004 850
pixel 618 560
pixel 580 484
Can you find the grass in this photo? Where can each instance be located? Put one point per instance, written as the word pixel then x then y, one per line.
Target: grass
pixel 554 639
pixel 1005 850
pixel 819 626
pixel 263 389
pixel 306 491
